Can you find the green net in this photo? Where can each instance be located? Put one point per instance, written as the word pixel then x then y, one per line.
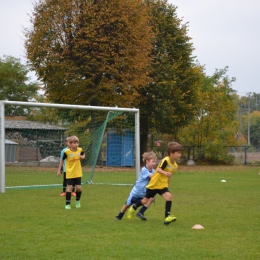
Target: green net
pixel 33 146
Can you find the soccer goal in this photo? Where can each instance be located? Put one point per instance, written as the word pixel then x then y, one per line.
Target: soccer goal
pixel 30 146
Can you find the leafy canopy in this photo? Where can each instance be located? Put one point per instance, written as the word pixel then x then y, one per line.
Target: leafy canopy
pixel 127 53
pixel 90 52
pixel 15 85
pixel 215 125
pixel 169 100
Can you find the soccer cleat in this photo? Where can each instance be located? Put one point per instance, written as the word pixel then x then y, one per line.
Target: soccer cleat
pixel 169 220
pixel 141 216
pixel 78 204
pixel 73 194
pixel 130 212
pixel 68 206
pixel 117 218
pixel 63 194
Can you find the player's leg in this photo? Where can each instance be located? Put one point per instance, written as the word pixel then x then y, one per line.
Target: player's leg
pixel 133 208
pixel 130 201
pixel 77 185
pixel 73 193
pixel 68 193
pixel 141 212
pixel 64 185
pixel 122 212
pixel 168 204
pixel 149 194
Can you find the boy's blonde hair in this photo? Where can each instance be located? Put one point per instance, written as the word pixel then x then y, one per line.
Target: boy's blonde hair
pixel 73 139
pixel 148 156
pixel 173 147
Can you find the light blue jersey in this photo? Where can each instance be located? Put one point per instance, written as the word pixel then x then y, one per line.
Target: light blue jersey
pixel 139 189
pixel 61 156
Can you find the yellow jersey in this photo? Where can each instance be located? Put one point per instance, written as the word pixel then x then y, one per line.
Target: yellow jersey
pixel 73 164
pixel 160 181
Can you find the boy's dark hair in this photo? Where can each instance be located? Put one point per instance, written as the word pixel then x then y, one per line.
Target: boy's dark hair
pixel 174 147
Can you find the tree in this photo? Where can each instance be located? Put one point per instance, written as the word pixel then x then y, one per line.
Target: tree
pixel 15 85
pixel 169 101
pixel 252 99
pixel 254 121
pixel 255 128
pixel 117 52
pixel 248 109
pixel 215 125
pixel 90 52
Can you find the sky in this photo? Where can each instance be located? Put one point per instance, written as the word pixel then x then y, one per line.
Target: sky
pixel 224 33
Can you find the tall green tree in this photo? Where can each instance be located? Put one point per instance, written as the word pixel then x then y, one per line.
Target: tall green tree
pixel 215 124
pixel 169 101
pixel 15 84
pixel 90 52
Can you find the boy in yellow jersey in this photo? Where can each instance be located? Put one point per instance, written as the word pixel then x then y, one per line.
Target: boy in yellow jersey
pixel 72 155
pixel 159 182
pixel 63 171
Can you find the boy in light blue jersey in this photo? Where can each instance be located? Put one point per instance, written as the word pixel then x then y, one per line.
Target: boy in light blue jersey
pixel 139 189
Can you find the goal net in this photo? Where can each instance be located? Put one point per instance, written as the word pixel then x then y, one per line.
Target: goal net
pixel 31 145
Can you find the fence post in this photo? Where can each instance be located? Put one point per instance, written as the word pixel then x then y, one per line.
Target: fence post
pixel 188 153
pixel 246 154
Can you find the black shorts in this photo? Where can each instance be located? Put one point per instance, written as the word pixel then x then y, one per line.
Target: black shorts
pixel 151 193
pixel 74 181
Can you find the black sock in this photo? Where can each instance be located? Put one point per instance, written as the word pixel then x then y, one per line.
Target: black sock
pixel 120 215
pixel 168 205
pixel 68 197
pixel 78 195
pixel 143 209
pixel 137 204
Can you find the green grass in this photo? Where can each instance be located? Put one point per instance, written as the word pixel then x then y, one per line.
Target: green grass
pixel 20 177
pixel 35 225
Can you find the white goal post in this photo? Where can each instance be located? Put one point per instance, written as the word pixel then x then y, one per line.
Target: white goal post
pixel 65 106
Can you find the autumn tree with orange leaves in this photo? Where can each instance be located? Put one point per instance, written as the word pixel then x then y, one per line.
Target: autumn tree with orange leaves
pixel 126 53
pixel 90 52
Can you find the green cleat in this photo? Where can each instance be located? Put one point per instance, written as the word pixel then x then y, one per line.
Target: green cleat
pixel 78 204
pixel 169 220
pixel 130 212
pixel 68 206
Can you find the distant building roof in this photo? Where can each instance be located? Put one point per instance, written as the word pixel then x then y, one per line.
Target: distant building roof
pixel 21 124
pixel 9 142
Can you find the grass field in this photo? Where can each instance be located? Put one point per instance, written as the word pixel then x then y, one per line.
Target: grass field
pixel 35 225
